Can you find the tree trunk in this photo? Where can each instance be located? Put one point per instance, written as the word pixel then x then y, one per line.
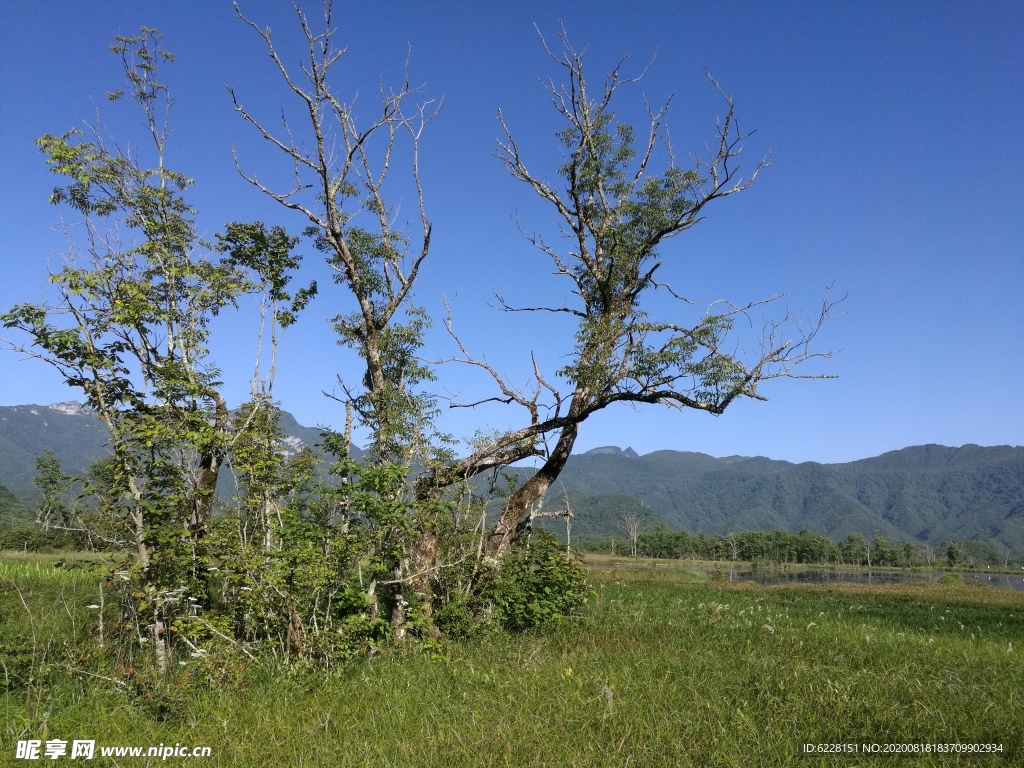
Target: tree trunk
pixel 500 539
pixel 398 614
pixel 210 459
pixel 424 568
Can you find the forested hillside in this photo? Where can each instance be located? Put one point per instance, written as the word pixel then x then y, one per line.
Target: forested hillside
pixel 924 493
pixel 12 510
pixel 77 437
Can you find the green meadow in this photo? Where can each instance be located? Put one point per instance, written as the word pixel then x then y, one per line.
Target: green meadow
pixel 664 668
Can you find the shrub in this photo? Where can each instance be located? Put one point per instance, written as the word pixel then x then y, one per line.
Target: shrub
pixel 538 584
pixel 32 538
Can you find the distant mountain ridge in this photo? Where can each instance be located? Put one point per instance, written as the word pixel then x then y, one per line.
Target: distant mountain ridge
pixel 78 438
pixel 923 493
pixel 926 493
pixel 74 434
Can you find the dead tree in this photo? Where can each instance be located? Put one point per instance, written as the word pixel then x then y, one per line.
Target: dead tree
pixel 631 525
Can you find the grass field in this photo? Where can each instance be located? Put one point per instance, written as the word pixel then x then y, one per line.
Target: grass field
pixel 665 669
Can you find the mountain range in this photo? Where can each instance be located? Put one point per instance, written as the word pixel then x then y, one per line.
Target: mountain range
pixel 928 493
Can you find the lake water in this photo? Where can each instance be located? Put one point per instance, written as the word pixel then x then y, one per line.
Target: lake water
pixel 829 575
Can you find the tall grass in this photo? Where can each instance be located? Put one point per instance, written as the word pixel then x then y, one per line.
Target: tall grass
pixel 661 671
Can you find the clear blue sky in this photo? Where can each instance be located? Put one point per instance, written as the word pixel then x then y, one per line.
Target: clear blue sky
pixel 896 133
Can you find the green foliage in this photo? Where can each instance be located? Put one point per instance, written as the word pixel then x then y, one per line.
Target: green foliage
pixel 12 510
pixel 781 546
pixel 300 599
pixel 52 484
pixel 32 538
pixel 538 585
pixel 268 255
pixel 131 329
pixel 954 554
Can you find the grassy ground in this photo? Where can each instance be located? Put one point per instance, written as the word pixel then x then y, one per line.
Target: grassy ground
pixel 664 670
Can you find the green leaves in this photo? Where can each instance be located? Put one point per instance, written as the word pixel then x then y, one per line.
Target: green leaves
pixel 141 56
pixel 539 585
pixel 268 254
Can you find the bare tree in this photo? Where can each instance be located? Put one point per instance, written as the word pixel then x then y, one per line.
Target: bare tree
pixel 734 545
pixel 566 513
pixel 927 553
pixel 631 525
pixel 340 177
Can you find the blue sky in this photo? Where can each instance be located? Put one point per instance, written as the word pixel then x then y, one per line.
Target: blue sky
pixel 898 174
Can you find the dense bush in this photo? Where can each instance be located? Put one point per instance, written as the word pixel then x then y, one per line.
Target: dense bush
pixel 538 584
pixel 32 538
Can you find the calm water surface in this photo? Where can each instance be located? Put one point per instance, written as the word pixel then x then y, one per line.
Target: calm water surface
pixel 827 576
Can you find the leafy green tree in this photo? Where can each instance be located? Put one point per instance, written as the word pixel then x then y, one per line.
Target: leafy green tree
pixel 882 553
pixel 130 327
pixel 52 484
pixel 658 542
pixel 907 554
pixel 754 546
pixel 855 549
pixel 954 554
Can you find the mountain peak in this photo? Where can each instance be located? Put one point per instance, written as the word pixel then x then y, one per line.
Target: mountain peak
pixel 613 450
pixel 71 408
